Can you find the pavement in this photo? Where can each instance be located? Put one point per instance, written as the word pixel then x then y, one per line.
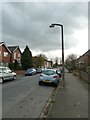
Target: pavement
pixel 71 101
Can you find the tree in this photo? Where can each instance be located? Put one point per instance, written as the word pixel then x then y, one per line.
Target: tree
pixel 51 62
pixel 71 62
pixel 56 62
pixel 38 61
pixel 26 58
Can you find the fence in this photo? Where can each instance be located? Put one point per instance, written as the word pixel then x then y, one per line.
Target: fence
pixel 85 76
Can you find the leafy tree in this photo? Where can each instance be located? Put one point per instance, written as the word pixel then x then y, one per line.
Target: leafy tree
pixel 43 56
pixel 35 61
pixel 26 59
pixel 38 61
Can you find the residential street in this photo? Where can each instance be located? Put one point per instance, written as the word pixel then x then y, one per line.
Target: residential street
pixel 24 98
pixel 37 41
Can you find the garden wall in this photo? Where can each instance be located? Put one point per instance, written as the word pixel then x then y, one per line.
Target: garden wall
pixel 85 76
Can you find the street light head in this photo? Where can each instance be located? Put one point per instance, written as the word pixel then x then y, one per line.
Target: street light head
pixel 52 25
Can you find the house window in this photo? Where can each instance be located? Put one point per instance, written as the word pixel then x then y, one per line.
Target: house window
pixel 5 54
pixel 14 55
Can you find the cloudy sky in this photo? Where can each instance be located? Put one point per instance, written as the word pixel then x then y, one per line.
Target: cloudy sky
pixel 27 23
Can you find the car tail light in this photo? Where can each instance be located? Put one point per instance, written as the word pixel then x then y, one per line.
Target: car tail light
pixel 55 77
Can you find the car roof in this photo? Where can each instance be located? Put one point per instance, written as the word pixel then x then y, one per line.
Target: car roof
pixel 49 69
pixel 3 67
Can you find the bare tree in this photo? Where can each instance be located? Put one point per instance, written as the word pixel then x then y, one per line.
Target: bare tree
pixel 71 62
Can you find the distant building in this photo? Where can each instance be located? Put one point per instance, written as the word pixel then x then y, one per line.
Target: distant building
pixel 48 64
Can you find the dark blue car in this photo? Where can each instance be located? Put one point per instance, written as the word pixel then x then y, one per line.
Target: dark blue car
pixel 30 71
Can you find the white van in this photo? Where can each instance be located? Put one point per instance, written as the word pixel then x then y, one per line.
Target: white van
pixel 6 74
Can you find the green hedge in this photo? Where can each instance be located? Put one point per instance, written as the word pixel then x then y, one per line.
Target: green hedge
pixel 14 66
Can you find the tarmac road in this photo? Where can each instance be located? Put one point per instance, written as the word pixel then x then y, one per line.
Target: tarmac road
pixel 24 98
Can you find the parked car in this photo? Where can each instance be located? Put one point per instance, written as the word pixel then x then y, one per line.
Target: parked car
pixel 39 70
pixel 61 69
pixel 6 74
pixel 30 71
pixel 49 76
pixel 58 71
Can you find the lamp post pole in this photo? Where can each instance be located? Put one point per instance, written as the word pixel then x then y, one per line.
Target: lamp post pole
pixel 53 25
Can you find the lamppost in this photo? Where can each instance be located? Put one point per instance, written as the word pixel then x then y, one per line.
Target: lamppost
pixel 53 25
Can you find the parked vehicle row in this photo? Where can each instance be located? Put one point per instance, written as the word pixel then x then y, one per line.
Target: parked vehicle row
pixel 6 74
pixel 47 76
pixel 33 71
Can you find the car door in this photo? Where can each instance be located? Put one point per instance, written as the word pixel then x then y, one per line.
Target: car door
pixel 4 74
pixel 9 73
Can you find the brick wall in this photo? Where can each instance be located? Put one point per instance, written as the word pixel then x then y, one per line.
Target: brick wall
pixel 20 72
pixel 17 55
pixel 85 76
pixel 2 58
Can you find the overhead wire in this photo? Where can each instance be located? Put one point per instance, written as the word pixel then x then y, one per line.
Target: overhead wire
pixel 47 19
pixel 68 11
pixel 62 17
pixel 49 16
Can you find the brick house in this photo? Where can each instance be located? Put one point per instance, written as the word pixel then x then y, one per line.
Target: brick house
pixel 84 60
pixel 15 54
pixel 5 54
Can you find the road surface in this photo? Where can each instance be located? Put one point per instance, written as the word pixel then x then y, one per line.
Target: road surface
pixel 24 98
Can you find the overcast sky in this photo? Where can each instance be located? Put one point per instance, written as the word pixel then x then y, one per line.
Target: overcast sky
pixel 27 23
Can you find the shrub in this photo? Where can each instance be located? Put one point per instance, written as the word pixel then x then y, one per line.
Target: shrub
pixel 11 66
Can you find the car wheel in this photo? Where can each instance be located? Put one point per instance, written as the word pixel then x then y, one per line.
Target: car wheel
pixel 40 83
pixel 55 85
pixel 14 77
pixel 1 80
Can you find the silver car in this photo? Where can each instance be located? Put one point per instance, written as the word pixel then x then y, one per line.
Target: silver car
pixel 49 76
pixel 6 74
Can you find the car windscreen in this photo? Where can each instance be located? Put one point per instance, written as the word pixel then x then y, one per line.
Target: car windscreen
pixel 2 70
pixel 8 70
pixel 48 72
